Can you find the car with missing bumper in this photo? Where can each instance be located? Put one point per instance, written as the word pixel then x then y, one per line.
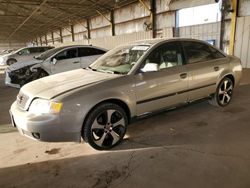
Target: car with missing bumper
pixel 128 82
pixel 53 61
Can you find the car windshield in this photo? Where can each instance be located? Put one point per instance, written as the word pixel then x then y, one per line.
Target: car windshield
pixel 45 55
pixel 120 60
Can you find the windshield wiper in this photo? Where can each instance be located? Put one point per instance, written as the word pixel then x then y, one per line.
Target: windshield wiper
pixel 89 68
pixel 103 70
pixel 109 71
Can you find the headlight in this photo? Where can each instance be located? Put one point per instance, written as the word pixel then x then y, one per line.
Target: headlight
pixel 1 60
pixel 42 106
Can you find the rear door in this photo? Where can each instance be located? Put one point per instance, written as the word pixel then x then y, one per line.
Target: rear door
pixel 162 79
pixel 88 55
pixel 204 64
pixel 66 60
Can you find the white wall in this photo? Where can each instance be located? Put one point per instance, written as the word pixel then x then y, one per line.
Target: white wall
pixel 11 45
pixel 110 42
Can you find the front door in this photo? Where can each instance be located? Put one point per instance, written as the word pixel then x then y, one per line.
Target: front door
pixel 66 60
pixel 162 79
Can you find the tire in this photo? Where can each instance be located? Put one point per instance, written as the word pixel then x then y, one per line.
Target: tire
pixel 11 61
pixel 105 126
pixel 41 73
pixel 224 93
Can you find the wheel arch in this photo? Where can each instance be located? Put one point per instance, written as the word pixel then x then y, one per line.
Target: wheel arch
pixel 116 101
pixel 12 58
pixel 228 75
pixel 231 77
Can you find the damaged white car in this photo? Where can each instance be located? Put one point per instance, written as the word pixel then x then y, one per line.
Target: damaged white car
pixel 51 62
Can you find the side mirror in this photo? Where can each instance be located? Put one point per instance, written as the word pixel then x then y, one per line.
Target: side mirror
pixel 19 53
pixel 150 67
pixel 53 61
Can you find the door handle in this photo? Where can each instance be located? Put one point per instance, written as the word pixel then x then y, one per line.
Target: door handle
pixel 216 68
pixel 183 75
pixel 76 62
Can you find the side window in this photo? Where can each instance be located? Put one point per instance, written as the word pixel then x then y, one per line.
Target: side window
pixel 34 50
pixel 87 51
pixel 163 57
pixel 67 54
pixel 42 49
pixel 197 52
pixel 25 51
pixel 216 54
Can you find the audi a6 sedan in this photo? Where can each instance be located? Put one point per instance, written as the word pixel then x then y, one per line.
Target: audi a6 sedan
pixel 128 82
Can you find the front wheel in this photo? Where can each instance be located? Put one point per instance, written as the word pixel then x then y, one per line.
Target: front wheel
pixel 105 126
pixel 41 73
pixel 223 94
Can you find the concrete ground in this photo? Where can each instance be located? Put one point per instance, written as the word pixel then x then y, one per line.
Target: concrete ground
pixel 194 146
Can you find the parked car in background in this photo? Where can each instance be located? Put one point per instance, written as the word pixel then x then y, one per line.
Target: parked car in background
pixel 128 82
pixel 23 55
pixel 51 62
pixel 3 52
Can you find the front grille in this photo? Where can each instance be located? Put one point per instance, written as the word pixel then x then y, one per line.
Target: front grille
pixel 22 100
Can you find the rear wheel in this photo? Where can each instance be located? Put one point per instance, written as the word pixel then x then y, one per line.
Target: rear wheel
pixel 105 126
pixel 224 93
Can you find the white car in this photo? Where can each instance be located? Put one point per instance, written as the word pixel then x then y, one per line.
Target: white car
pixel 51 62
pixel 4 52
pixel 22 55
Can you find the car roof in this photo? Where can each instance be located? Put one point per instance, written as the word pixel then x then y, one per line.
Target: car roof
pixel 36 47
pixel 75 46
pixel 158 40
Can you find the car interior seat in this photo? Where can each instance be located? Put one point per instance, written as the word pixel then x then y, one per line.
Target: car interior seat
pixel 169 59
pixel 152 63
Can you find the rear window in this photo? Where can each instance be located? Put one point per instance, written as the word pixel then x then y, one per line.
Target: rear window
pixel 200 52
pixel 43 49
pixel 87 51
pixel 34 50
pixel 39 49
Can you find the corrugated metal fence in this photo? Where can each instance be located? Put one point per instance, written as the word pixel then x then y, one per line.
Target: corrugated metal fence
pixel 242 41
pixel 205 32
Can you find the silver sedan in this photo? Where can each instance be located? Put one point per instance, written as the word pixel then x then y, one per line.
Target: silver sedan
pixel 128 82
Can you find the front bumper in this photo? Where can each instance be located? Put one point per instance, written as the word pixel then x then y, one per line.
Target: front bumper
pixel 46 128
pixel 8 80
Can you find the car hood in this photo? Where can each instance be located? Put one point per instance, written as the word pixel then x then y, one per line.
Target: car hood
pixel 5 55
pixel 20 64
pixel 51 86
